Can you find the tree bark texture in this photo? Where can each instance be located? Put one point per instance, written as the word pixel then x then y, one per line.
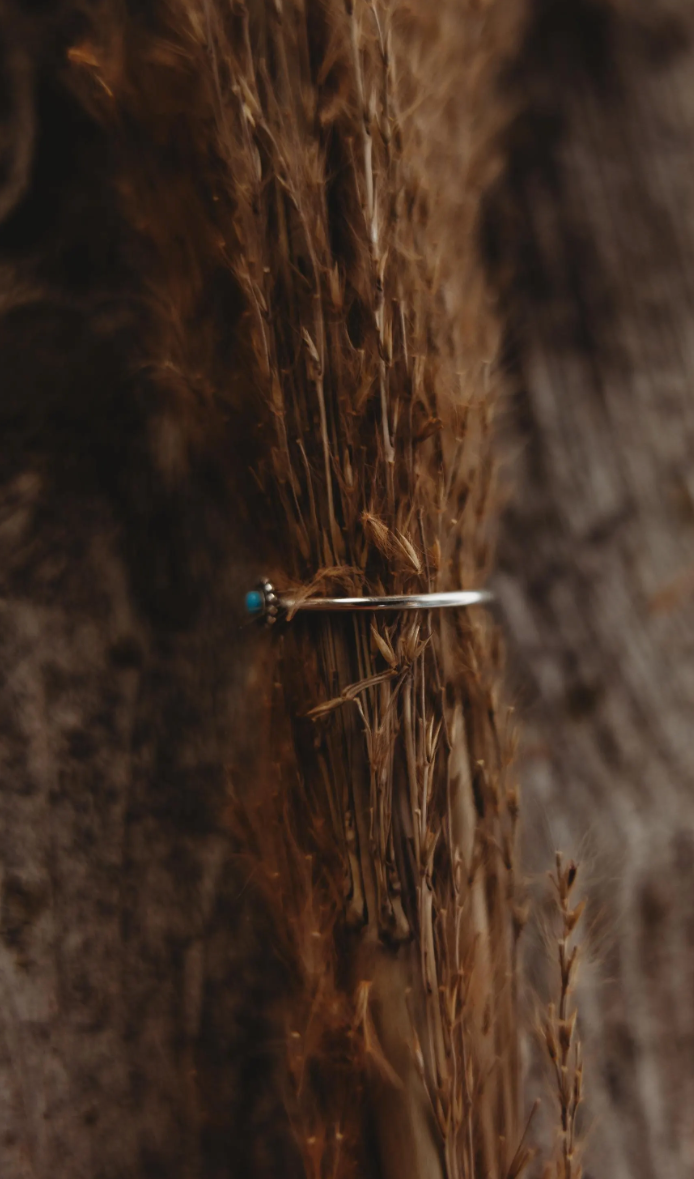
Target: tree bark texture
pixel 590 237
pixel 136 973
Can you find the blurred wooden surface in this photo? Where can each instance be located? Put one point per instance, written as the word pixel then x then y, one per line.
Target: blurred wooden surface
pixel 134 963
pixel 590 236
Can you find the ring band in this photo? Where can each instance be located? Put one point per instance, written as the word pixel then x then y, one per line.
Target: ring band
pixel 265 603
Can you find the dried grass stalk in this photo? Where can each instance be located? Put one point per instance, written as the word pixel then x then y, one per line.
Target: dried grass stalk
pixel 561 1040
pixel 332 165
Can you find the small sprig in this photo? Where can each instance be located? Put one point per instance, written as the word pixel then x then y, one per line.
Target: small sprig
pixel 561 1040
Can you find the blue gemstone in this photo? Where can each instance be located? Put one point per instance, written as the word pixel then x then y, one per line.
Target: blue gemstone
pixel 255 602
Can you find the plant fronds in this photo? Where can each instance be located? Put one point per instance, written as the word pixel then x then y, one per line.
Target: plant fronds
pixel 325 161
pixel 561 1040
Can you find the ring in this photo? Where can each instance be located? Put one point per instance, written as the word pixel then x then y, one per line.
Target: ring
pixel 265 603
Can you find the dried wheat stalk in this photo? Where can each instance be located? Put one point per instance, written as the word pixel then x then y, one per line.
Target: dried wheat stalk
pixel 337 161
pixel 561 1040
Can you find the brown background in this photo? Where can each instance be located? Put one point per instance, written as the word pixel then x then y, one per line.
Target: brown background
pixel 130 947
pixel 591 240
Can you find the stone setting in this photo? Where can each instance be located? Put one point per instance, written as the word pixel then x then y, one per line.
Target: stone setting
pixel 262 602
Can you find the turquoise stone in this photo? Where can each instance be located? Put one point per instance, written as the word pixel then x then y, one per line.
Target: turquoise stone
pixel 255 603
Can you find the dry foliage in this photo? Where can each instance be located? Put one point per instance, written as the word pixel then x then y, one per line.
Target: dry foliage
pixel 303 186
pixel 562 1043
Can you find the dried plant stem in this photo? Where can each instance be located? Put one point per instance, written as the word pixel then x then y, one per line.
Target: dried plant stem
pixel 330 136
pixel 563 1045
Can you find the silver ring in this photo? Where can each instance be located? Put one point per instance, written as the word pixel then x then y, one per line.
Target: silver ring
pixel 264 602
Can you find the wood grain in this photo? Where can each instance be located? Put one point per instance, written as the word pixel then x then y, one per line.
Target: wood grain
pixel 590 237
